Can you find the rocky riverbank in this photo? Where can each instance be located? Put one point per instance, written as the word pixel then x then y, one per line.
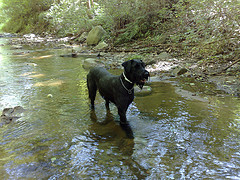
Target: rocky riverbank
pixel 198 76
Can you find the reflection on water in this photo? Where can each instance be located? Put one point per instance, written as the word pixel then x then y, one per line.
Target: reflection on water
pixel 58 136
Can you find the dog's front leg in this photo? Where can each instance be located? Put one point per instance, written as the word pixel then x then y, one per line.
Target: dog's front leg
pixel 122 103
pixel 122 114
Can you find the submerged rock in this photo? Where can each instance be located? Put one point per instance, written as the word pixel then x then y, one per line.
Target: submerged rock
pixel 10 114
pixel 73 55
pixel 91 62
pixel 228 84
pixel 146 90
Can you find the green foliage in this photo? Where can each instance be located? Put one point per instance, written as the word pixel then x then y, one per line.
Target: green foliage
pixel 133 19
pixel 22 16
pixel 209 28
pixel 199 28
pixel 70 17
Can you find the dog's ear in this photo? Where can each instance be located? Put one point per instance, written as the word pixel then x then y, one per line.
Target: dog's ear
pixel 127 66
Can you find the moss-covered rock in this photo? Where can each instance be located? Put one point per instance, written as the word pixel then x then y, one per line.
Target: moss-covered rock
pixel 95 35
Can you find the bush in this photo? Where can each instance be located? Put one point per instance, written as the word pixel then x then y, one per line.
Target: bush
pixel 22 16
pixel 69 17
pixel 131 20
pixel 209 28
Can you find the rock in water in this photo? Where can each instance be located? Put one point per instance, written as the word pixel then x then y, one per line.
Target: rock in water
pixel 178 71
pixel 146 90
pixel 10 114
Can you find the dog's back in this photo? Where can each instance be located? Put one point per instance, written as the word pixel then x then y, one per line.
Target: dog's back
pixel 98 78
pixel 98 72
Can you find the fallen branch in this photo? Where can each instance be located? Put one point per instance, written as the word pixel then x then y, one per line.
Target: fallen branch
pixel 235 62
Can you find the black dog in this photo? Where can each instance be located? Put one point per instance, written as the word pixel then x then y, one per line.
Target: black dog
pixel 117 89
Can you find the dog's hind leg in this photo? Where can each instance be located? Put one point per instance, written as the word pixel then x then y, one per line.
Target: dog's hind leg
pixel 92 90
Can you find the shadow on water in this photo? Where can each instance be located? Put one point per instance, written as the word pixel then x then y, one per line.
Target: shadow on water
pixel 121 137
pixel 109 118
pixel 59 137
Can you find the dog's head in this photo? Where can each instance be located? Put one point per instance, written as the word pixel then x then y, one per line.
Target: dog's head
pixel 135 71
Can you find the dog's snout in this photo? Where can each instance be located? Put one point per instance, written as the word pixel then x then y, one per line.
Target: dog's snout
pixel 146 74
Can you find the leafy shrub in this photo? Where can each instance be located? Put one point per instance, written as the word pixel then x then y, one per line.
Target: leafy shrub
pixel 22 16
pixel 135 19
pixel 69 17
pixel 209 28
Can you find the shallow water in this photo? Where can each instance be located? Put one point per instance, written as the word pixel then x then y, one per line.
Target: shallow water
pixel 58 137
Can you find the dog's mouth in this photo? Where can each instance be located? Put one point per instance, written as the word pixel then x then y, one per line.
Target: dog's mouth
pixel 143 79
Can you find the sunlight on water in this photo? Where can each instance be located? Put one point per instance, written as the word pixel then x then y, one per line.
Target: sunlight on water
pixel 59 137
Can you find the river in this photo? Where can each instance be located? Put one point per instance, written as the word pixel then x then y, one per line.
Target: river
pixel 59 137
